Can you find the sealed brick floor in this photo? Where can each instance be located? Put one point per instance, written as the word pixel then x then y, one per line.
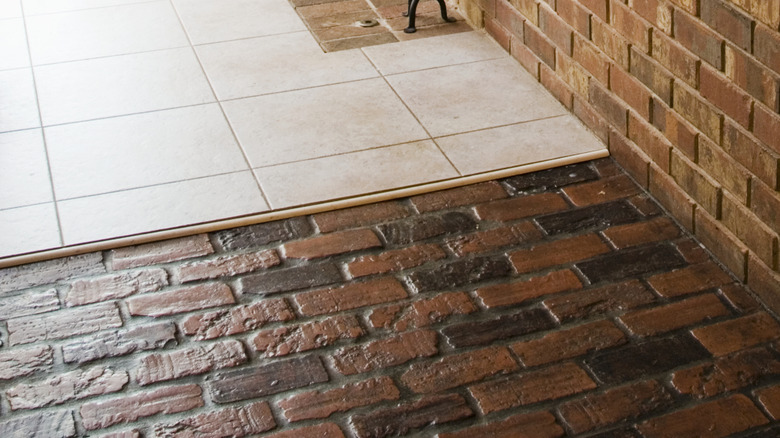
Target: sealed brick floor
pixel 558 303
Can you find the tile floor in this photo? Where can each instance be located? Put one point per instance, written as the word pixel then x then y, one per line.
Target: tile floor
pixel 124 117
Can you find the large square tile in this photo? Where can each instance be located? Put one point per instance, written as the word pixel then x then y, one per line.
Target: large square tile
pixel 159 207
pixel 18 106
pixel 209 21
pixel 36 7
pixel 358 173
pixel 479 95
pixel 93 33
pixel 119 85
pixel 121 153
pixel 278 63
pixel 24 171
pixel 514 145
pixel 316 122
pixel 10 9
pixel 440 51
pixel 13 44
pixel 28 229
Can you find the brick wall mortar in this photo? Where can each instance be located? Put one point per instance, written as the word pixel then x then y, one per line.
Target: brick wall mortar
pixel 703 70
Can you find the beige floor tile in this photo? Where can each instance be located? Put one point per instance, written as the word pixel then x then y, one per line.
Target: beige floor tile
pixel 209 21
pixel 24 172
pixel 120 85
pixel 159 207
pixel 514 145
pixel 459 48
pixel 94 33
pixel 353 174
pixel 278 63
pixel 13 44
pixel 28 229
pixel 316 122
pixel 141 150
pixel 460 98
pixel 36 7
pixel 10 9
pixel 18 106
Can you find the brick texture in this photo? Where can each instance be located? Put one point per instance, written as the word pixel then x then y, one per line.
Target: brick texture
pixel 235 422
pixel 316 404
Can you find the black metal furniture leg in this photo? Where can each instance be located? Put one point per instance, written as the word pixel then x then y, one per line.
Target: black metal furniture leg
pixel 412 13
pixel 444 12
pixel 408 6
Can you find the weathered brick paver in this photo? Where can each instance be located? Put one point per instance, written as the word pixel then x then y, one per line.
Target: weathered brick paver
pixel 562 303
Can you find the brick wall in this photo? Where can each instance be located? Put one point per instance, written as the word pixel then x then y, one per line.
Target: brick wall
pixel 686 94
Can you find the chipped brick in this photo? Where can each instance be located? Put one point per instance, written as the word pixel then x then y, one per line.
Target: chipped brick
pixel 321 404
pixel 64 387
pixel 456 370
pixel 227 266
pixel 569 343
pixel 395 260
pixel 200 359
pixel 385 353
pixel 507 294
pixel 483 332
pixel 295 339
pixel 181 300
pixel 119 342
pixel 111 287
pixel 238 319
pixel 349 297
pixel 400 420
pixel 234 422
pixel 62 324
pixel 161 252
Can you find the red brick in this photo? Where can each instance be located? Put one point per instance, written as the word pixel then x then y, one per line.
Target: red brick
pixel 64 387
pixel 723 244
pixel 629 24
pixel 592 119
pixel 14 305
pixel 129 408
pixel 602 190
pixel 569 343
pixel 718 418
pixel 610 42
pixel 234 422
pixel 591 58
pixel 321 404
pixel 399 420
pixel 726 374
pixel 115 343
pixel 617 404
pixel 688 280
pixel 652 75
pixel 316 334
pixel 556 86
pixel 558 252
pixel 730 22
pixel 161 252
pixel 507 294
pixel 426 312
pixel 627 153
pixel 654 230
pixel 539 44
pixel 535 424
pixel 529 9
pixel 749 229
pixel 614 111
pixel 729 98
pixel 691 6
pixel 526 57
pixel 761 161
pixel 556 29
pixel 23 362
pixel 351 296
pixel 227 266
pixel 672 55
pixel 766 47
pixel 181 300
pixel 511 19
pixel 675 315
pixel 458 197
pixel 766 11
pixel 63 323
pixel 50 271
pixel 111 287
pixel 647 138
pixel 593 302
pixel 521 207
pixel 766 204
pixel 200 359
pixel 496 238
pixel 359 216
pixel 575 14
pixel 51 423
pixel 672 197
pixel 765 282
pixel 739 298
pixel 698 38
pixel 657 12
pixel 385 353
pixel 395 260
pixel 752 76
pixel 498 32
pixel 238 319
pixel 331 244
pixel 456 370
pixel 770 399
pixel 738 334
pixel 696 182
pixel 323 430
pixel 766 126
pixel 523 389
pixel 598 7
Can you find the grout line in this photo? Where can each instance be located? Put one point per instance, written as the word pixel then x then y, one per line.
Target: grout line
pixel 88 9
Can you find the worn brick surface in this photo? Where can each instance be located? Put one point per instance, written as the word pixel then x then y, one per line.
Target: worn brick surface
pixel 181 300
pixel 73 385
pixel 422 313
pixel 569 343
pixel 508 294
pixel 385 353
pixel 674 316
pixel 235 422
pixel 320 404
pixel 161 252
pixel 457 370
pixel 300 277
pixel 610 298
pixel 294 339
pixel 631 262
pixel 262 234
pixel 418 228
pixel 22 362
pixel 227 265
pixel 737 334
pixel 591 217
pixel 549 254
pixel 459 273
pixel 727 373
pixel 50 271
pixel 351 296
pixel 110 287
pixel 63 323
pixel 395 260
pixel 537 424
pixel 159 367
pixel 28 303
pixel 119 342
pixel 237 319
pixel 473 194
pixel 521 207
pixel 57 424
pixel 507 326
pixel 331 244
pixel 435 409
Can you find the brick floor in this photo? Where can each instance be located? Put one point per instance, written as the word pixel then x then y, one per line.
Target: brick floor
pixel 559 303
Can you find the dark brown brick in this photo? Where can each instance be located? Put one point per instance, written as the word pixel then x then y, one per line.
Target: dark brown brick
pixel 688 280
pixel 63 323
pixel 111 287
pixel 719 418
pixel 645 358
pixel 458 197
pixel 766 123
pixel 591 217
pixel 697 38
pixel 654 230
pixel 496 238
pixel 615 405
pixel 770 399
pixel 600 191
pixel 321 404
pixel 50 271
pixel 609 298
pixel 456 370
pixel 521 207
pixel 64 387
pixel 131 407
pixel 556 29
pixel 676 58
pixel 336 243
pixel 507 294
pixel 752 76
pixel 679 314
pixel 539 44
pixel 161 252
pixel 227 265
pixel 423 313
pixel 200 359
pixel 359 216
pixel 727 373
pixel 535 424
pixel 238 319
pixel 119 342
pixel 14 305
pixel 257 235
pixel 55 424
pixel 737 334
pixel 322 430
pixel 738 296
pixel 399 420
pixel 418 228
pixel 459 273
pixel 181 300
pixel 234 422
pixel 554 178
pixel 316 334
pixel 608 105
pixel 483 332
pixel 385 353
pixel 351 296
pixel 548 383
pixel 272 378
pixel 729 21
pixel 631 262
pixel 395 260
pixel 569 343
pixel 285 280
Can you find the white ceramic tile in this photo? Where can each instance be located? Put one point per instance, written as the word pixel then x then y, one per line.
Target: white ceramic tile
pixel 10 9
pixel 159 207
pixel 13 44
pixel 439 51
pixel 479 95
pixel 28 229
pixel 18 106
pixel 515 145
pixel 35 7
pixel 316 122
pixel 121 153
pixel 24 172
pixel 278 63
pixel 209 21
pixel 358 173
pixel 119 85
pixel 93 33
